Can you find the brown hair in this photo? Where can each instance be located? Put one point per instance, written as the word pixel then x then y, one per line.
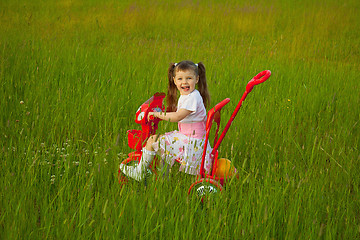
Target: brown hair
pixel 199 70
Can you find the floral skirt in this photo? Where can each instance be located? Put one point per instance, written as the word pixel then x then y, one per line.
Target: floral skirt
pixel 188 151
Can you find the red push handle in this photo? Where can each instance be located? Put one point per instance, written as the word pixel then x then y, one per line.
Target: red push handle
pixel 259 78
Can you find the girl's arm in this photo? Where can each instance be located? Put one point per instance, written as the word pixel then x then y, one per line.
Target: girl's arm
pixel 171 116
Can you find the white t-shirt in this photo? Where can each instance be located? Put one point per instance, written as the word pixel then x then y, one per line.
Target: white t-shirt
pixel 192 102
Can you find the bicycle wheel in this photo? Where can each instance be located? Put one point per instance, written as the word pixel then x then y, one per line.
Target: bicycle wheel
pixel 205 188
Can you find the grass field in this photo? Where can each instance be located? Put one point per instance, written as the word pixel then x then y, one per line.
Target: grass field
pixel 73 74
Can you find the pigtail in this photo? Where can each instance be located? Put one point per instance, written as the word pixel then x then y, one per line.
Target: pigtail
pixel 202 84
pixel 171 98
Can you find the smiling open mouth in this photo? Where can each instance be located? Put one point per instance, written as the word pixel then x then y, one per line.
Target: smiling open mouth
pixel 186 87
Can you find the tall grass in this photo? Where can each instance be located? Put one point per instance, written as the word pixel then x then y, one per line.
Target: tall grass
pixel 73 74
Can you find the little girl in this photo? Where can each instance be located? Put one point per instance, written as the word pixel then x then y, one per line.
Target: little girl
pixel 187 143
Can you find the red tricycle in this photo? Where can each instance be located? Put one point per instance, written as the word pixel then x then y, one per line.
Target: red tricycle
pixel 207 183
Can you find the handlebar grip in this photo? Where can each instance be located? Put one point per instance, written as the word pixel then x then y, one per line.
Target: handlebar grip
pixel 259 78
pixel 262 76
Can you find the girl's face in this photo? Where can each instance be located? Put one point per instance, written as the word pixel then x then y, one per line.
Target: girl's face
pixel 186 81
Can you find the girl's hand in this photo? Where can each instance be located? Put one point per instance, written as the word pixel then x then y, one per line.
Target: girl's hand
pixel 170 116
pixel 151 116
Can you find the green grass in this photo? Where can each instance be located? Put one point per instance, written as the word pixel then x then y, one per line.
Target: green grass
pixel 73 73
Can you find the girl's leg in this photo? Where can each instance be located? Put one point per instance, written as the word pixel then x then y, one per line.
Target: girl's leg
pixel 148 153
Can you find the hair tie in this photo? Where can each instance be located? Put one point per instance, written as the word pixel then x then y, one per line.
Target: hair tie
pixel 196 65
pixel 175 64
